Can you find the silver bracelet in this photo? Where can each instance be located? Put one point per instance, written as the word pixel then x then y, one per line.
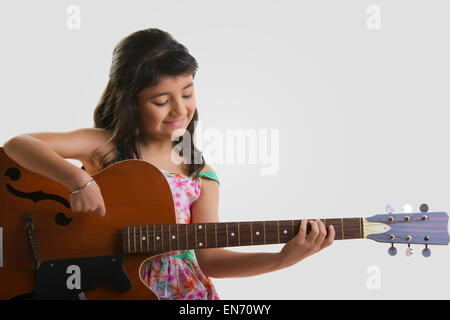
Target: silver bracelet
pixel 86 185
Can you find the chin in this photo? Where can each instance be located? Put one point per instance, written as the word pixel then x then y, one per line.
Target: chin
pixel 178 132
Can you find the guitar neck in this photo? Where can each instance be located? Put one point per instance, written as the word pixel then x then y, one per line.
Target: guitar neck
pixel 168 237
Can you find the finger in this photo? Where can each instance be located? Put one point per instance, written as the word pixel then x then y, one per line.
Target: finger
pixel 314 233
pixel 302 230
pixel 330 237
pixel 101 210
pixel 322 232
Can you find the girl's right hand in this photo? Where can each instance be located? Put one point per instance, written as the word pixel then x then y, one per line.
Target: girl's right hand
pixel 88 200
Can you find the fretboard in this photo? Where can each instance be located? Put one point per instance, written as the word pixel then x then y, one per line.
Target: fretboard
pixel 168 237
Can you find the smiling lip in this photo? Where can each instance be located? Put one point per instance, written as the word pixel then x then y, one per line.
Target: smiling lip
pixel 175 123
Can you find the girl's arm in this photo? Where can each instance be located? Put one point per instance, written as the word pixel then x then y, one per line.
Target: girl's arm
pixel 44 153
pixel 223 263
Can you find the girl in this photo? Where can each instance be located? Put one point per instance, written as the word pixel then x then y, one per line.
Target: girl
pixel 148 101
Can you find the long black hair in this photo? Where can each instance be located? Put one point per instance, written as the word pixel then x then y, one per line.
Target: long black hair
pixel 138 61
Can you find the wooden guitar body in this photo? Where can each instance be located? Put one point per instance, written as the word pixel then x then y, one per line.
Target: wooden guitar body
pixel 39 231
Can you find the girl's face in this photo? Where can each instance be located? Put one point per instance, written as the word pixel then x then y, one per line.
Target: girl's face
pixel 167 107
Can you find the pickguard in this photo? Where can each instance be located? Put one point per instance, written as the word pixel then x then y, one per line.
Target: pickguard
pixel 67 278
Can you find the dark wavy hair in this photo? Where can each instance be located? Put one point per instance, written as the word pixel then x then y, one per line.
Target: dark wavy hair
pixel 138 61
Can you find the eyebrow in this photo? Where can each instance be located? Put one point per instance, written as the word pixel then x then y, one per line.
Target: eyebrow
pixel 163 93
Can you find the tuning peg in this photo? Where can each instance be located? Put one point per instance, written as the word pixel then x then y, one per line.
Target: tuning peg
pixel 409 251
pixel 389 208
pixel 424 208
pixel 392 250
pixel 426 252
pixel 407 208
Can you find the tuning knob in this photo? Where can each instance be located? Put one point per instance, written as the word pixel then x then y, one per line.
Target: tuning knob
pixel 409 251
pixel 407 208
pixel 389 209
pixel 426 252
pixel 392 250
pixel 424 208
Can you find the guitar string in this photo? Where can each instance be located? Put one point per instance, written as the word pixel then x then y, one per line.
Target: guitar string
pixel 42 232
pixel 118 237
pixel 191 225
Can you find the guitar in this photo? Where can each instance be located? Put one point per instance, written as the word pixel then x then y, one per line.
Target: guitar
pixel 43 244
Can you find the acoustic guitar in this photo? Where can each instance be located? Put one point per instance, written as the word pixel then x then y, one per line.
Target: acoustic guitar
pixel 49 252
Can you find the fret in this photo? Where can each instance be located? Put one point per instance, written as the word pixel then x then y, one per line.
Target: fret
pixel 257 232
pixel 226 227
pixel 187 241
pixel 272 232
pixel 206 238
pixel 178 239
pixel 140 237
pixel 251 234
pixel 154 242
pixel 221 235
pixel 182 237
pixel 278 231
pixel 285 232
pixel 192 235
pixel 232 234
pixel 162 238
pixel 148 239
pixel 200 235
pixel 264 228
pixel 337 225
pixel 239 234
pixel 342 228
pixel 196 243
pixel 352 228
pixel 215 227
pixel 158 238
pixel 244 233
pixel 210 235
pixel 134 238
pixel 169 237
pixel 129 249
pixel 173 237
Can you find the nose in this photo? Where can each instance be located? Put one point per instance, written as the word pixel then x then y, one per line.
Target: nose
pixel 178 107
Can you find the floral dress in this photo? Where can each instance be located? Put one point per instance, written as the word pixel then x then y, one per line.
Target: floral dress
pixel 177 275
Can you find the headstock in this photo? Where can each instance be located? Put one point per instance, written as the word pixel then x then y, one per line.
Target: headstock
pixel 428 228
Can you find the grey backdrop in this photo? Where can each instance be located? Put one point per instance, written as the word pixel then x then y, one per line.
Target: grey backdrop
pixel 362 115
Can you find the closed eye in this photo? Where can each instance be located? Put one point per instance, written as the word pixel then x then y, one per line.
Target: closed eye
pixel 162 104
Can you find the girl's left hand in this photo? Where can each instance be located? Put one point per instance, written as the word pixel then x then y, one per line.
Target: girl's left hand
pixel 303 245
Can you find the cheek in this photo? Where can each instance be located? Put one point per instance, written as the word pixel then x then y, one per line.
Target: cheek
pixel 192 106
pixel 151 115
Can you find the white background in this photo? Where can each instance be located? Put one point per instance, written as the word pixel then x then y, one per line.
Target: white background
pixel 362 115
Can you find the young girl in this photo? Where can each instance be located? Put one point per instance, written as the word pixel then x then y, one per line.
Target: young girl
pixel 148 100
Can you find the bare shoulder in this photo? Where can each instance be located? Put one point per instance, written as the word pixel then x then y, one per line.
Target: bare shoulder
pixel 206 168
pixel 207 182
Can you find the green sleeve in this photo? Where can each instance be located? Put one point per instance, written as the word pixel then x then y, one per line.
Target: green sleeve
pixel 210 175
